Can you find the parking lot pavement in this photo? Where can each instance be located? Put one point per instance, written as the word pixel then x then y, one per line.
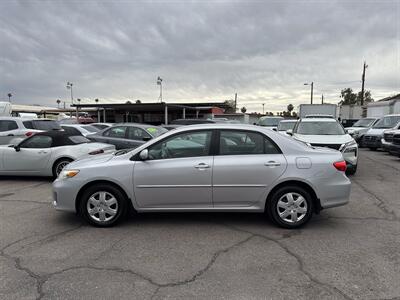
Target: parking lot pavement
pixel 350 252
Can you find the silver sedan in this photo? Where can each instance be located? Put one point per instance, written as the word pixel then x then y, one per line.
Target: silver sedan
pixel 218 167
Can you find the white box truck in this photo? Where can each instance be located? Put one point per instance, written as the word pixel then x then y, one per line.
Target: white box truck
pixel 318 109
pixel 5 109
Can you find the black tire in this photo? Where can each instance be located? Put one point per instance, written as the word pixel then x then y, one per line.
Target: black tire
pixel 352 170
pixel 272 206
pixel 372 148
pixel 58 164
pixel 121 206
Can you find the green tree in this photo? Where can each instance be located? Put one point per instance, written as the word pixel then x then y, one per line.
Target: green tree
pixel 231 106
pixel 243 109
pixel 349 97
pixel 290 108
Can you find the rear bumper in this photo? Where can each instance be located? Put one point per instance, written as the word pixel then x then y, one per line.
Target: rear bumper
pixel 333 193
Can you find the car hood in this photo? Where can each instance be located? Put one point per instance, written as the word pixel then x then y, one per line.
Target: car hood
pixel 376 131
pixel 90 160
pixel 324 139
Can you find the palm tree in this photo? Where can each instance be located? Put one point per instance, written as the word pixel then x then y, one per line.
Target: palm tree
pixel 290 107
pixel 9 97
pixel 243 109
pixel 58 103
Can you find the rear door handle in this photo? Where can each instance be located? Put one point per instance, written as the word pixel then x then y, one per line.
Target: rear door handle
pixel 202 166
pixel 272 164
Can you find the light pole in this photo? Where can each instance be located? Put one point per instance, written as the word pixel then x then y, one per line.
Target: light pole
pixel 263 107
pixel 69 87
pixel 312 89
pixel 9 97
pixel 159 82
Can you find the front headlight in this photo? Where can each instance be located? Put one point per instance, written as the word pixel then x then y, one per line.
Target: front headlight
pixel 351 144
pixel 68 174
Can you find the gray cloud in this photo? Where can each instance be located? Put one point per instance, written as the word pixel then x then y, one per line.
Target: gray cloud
pixel 205 51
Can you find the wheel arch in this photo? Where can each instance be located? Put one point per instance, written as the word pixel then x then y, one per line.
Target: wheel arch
pixel 58 159
pixel 299 183
pixel 101 181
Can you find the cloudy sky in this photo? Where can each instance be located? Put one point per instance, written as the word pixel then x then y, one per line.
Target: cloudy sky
pixel 204 50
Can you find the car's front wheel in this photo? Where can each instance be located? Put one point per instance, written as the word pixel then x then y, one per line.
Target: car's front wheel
pixel 103 205
pixel 290 207
pixel 59 165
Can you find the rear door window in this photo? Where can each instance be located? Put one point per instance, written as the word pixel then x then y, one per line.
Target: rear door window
pixel 116 132
pixel 6 125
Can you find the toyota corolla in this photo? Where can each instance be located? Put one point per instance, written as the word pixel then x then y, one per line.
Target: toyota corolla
pixel 218 167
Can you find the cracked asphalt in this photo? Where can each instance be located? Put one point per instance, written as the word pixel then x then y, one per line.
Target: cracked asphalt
pixel 350 252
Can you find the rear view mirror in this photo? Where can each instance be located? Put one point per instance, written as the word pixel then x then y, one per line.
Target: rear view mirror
pixel 289 132
pixel 144 154
pixel 146 138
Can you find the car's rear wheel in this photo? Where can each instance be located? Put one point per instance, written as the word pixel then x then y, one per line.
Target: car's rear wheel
pixel 290 207
pixel 59 165
pixel 103 205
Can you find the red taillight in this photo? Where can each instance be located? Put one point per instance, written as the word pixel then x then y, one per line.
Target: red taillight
pixel 340 165
pixel 96 152
pixel 29 133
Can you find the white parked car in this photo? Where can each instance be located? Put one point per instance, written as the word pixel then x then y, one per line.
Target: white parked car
pixel 269 122
pixel 16 129
pixel 79 129
pixel 47 153
pixel 360 127
pixel 328 132
pixel 373 137
pixel 285 125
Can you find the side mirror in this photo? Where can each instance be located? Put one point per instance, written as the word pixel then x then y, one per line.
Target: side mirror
pixel 144 154
pixel 289 132
pixel 17 148
pixel 146 138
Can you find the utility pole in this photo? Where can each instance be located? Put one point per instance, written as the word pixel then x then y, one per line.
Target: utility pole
pixel 159 82
pixel 263 107
pixel 235 101
pixel 312 90
pixel 322 99
pixel 69 87
pixel 362 83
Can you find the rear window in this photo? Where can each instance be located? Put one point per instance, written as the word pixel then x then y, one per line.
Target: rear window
pixel 156 131
pixel 90 128
pixel 78 139
pixel 28 124
pixel 6 125
pixel 45 125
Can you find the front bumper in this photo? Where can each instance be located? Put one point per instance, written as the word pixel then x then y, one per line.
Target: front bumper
pixel 65 192
pixel 372 141
pixel 385 145
pixel 394 148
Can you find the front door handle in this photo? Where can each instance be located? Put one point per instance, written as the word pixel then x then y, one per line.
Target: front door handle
pixel 42 151
pixel 10 134
pixel 202 166
pixel 272 164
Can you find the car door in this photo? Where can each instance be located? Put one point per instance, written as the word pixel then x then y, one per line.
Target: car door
pixel 246 164
pixel 31 156
pixel 116 136
pixel 177 174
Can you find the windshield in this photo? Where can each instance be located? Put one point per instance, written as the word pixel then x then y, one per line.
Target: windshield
pixel 90 128
pixel 78 139
pixel 283 126
pixel 269 121
pixel 363 123
pixel 45 125
pixel 387 122
pixel 320 128
pixel 156 131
